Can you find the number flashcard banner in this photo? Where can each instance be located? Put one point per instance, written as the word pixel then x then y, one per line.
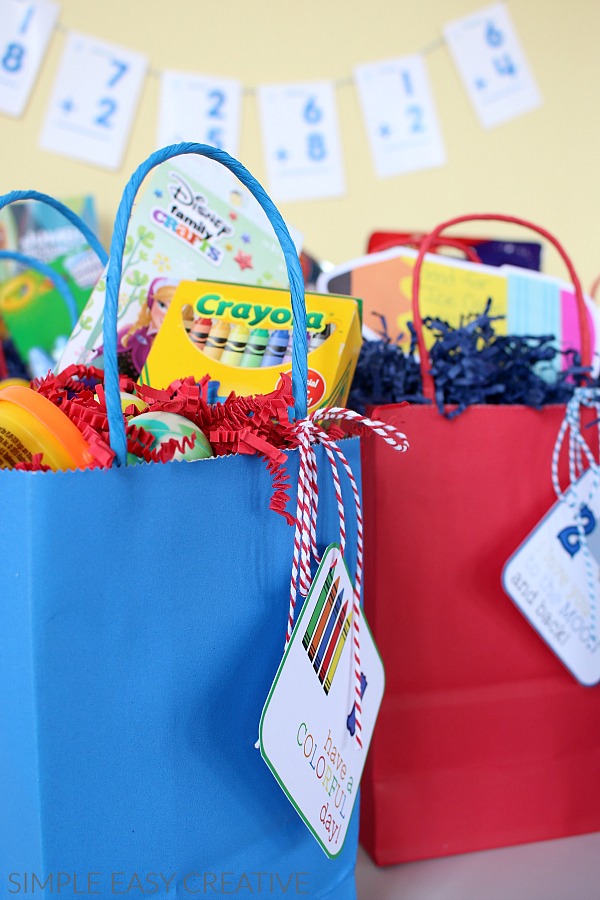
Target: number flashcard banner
pixel 400 116
pixel 25 34
pixel 301 139
pixel 492 65
pixel 94 101
pixel 199 108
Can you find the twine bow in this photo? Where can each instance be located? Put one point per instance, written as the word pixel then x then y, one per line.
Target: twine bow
pixel 310 431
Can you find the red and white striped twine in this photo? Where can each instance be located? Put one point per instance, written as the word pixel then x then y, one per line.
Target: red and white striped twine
pixel 310 432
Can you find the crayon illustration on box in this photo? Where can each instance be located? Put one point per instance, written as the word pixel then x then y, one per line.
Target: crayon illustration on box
pixel 240 336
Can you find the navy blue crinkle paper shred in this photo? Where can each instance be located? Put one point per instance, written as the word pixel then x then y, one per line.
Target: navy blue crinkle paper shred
pixel 469 364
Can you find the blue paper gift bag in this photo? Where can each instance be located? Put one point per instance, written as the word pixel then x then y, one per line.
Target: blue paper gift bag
pixel 143 615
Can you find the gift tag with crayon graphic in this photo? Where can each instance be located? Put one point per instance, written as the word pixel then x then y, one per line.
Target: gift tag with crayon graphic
pixel 308 724
pixel 554 578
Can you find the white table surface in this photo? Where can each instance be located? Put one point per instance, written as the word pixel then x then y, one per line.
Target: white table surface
pixel 565 869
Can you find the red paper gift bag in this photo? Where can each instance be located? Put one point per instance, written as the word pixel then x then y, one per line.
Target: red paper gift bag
pixel 484 738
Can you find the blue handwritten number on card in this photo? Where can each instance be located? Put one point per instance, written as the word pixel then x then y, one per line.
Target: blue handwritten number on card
pixel 407 83
pixel 312 113
pixel 504 65
pixel 215 138
pixel 109 107
pixel 315 141
pixel 415 115
pixel 316 148
pixel 121 67
pixel 26 19
pixel 218 101
pixel 13 57
pixel 493 35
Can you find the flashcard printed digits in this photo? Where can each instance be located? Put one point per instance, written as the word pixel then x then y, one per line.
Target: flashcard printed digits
pixel 301 139
pixel 492 65
pixel 399 115
pixel 198 108
pixel 93 102
pixel 26 31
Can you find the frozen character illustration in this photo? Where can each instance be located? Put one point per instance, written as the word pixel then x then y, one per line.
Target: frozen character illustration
pixel 134 341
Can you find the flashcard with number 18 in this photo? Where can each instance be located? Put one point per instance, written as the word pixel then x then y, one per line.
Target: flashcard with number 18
pixel 24 36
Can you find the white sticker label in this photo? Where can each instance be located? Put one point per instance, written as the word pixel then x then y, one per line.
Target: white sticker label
pixel 201 109
pixel 308 724
pixel 492 65
pixel 301 140
pixel 554 578
pixel 94 101
pixel 26 31
pixel 400 116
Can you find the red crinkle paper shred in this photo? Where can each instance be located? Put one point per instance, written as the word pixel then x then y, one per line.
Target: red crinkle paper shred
pixel 258 424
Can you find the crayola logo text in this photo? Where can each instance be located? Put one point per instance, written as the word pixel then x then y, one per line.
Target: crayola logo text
pixel 252 313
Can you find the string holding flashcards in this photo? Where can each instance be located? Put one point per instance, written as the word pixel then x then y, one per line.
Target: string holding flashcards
pixel 310 431
pixel 575 537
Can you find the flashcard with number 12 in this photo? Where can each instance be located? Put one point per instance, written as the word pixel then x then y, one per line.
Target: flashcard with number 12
pixel 94 101
pixel 399 115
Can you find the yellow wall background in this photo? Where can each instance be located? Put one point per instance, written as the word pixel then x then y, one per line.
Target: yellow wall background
pixel 543 165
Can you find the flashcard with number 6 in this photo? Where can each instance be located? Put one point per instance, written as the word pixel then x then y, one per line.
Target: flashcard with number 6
pixel 492 65
pixel 301 139
pixel 93 102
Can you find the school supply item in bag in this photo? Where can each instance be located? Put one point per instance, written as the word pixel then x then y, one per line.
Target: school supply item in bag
pixel 147 607
pixel 484 739
pixel 240 336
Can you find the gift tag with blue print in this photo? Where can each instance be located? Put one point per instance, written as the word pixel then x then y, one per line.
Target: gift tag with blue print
pixel 308 728
pixel 554 577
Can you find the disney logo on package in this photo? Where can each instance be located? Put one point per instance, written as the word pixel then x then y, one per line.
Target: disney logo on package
pixel 185 197
pixel 191 220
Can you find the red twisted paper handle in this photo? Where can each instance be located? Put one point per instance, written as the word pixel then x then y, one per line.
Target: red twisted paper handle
pixel 433 238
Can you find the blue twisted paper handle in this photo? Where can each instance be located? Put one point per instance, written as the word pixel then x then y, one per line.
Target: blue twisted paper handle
pixel 73 218
pixel 48 272
pixel 116 423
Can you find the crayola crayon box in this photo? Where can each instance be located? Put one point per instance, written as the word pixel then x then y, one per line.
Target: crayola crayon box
pixel 241 336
